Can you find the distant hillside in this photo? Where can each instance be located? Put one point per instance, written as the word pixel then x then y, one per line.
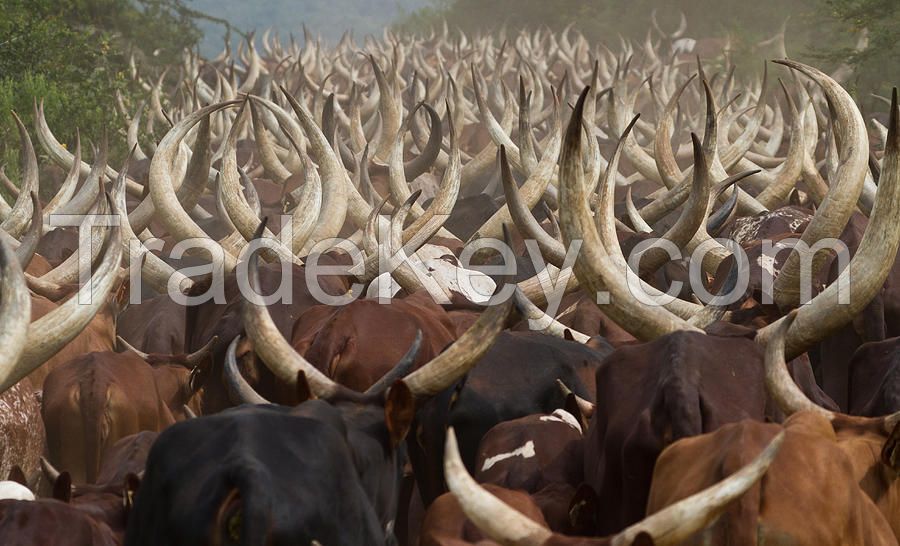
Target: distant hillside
pixel 328 17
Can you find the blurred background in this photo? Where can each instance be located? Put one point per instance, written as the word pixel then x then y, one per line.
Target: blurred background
pixel 75 53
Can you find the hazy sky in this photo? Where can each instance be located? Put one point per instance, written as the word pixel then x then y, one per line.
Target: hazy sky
pixel 330 17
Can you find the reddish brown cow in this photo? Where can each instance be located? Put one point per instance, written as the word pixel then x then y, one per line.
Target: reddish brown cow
pixel 208 320
pixel 98 335
pixel 541 455
pixel 26 523
pixel 818 490
pixel 348 343
pixel 446 525
pixel 94 400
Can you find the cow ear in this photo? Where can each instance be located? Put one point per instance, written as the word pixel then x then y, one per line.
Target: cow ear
pixel 16 475
pixel 303 391
pixel 62 487
pixel 890 453
pixel 399 411
pixel 129 489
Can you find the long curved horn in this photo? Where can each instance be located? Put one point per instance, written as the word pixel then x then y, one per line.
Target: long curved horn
pixel 340 198
pixel 275 351
pixel 606 228
pixel 67 188
pixel 196 179
pixel 169 210
pixel 267 156
pixel 50 333
pixel 421 164
pixel 662 146
pixel 868 268
pixel 389 110
pixel 239 391
pixel 637 221
pixel 87 195
pixel 309 206
pixel 17 221
pixel 430 222
pixel 669 526
pixel 490 514
pixel 845 187
pixel 691 217
pixel 64 158
pixel 552 250
pixel 236 207
pixel 31 238
pixel 787 395
pixel 779 383
pixel 446 368
pixel 594 268
pixel 156 272
pixel 15 307
pixel 533 188
pixel 785 176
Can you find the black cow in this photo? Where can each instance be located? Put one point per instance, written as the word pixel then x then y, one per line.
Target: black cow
pixel 517 377
pixel 277 476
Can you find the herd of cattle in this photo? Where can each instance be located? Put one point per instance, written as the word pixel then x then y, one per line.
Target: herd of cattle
pixel 411 394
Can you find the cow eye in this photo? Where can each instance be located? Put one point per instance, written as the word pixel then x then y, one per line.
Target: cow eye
pixel 233 527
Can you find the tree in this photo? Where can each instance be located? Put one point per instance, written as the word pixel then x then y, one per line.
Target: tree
pixel 876 66
pixel 73 55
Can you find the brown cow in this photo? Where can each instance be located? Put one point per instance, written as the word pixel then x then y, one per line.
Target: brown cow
pixel 447 525
pixel 26 523
pixel 349 345
pixel 210 319
pixel 94 400
pixel 812 494
pixel 541 455
pixel 98 335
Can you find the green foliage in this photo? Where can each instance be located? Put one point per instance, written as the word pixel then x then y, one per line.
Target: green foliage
pixel 877 67
pixel 74 55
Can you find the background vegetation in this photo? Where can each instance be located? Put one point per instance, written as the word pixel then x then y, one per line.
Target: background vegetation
pixel 74 55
